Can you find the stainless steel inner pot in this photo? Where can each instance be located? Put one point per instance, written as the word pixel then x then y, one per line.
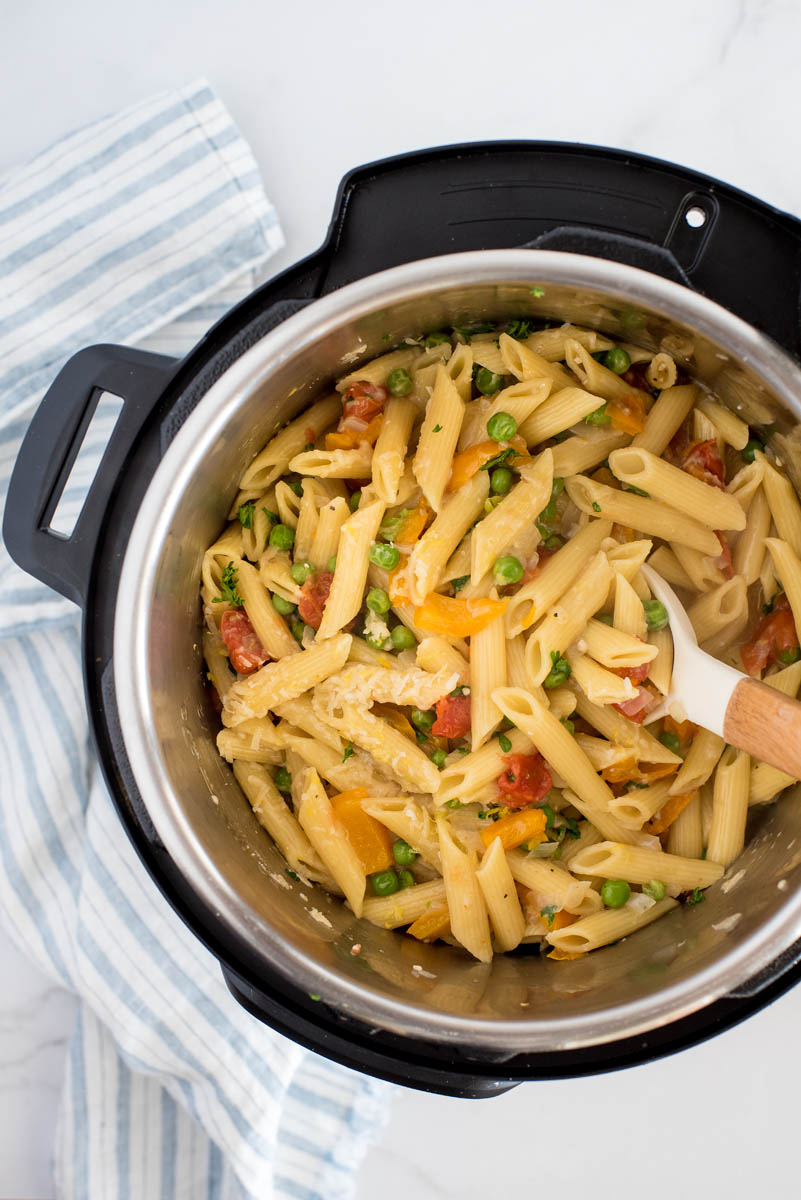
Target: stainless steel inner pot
pixel 520 1002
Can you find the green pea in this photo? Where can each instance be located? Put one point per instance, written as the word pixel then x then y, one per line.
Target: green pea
pixel 598 416
pixel 656 616
pixel 488 383
pixel 655 888
pixel 436 339
pixel 438 758
pixel 507 569
pixel 557 488
pixel 384 556
pixel 403 853
pixel 298 630
pixel 355 501
pixel 406 879
pixel 375 643
pixel 378 601
pixel 568 724
pixel 615 893
pixel 554 542
pixel 549 512
pixel 423 719
pixel 331 565
pixel 300 571
pixel 283 780
pixel 403 638
pixel 501 427
pixel 384 883
pixel 559 672
pixel 670 741
pixel 790 656
pixel 750 449
pixel 501 480
pixel 618 360
pixel 282 537
pixel 399 382
pixel 282 606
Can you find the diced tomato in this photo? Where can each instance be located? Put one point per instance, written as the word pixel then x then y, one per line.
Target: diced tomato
pixel 635 674
pixel 244 648
pixel 638 707
pixel 453 717
pixel 723 561
pixel 314 595
pixel 775 633
pixel 526 780
pixel 702 460
pixel 362 401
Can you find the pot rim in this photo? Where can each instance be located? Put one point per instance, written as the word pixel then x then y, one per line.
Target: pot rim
pixel 133 618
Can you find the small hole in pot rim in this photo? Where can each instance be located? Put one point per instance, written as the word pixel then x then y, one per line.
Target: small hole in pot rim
pixel 695 217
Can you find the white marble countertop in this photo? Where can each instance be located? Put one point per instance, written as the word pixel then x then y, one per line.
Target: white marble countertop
pixel 318 88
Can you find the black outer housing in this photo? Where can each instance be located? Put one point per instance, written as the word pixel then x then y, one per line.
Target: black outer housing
pixel 590 200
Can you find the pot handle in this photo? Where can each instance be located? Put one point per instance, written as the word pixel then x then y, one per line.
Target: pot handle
pixel 49 450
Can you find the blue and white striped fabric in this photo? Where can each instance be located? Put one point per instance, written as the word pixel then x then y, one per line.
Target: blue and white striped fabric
pixel 140 229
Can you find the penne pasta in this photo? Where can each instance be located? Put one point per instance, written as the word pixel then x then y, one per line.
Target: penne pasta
pixel 530 544
pixel 648 516
pixel 681 491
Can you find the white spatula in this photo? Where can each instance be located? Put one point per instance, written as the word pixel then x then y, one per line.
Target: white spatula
pixel 748 714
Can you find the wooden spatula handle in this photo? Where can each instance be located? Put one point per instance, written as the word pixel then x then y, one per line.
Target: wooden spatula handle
pixel 766 724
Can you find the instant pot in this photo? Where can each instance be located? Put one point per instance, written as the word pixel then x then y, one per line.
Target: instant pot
pixel 645 251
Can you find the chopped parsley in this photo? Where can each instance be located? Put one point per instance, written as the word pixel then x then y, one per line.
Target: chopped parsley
pixel 503 741
pixel 469 331
pixel 490 814
pixel 309 446
pixel 539 292
pixel 499 460
pixel 245 514
pixel 437 429
pixel 768 608
pixel 460 582
pixel 272 517
pixel 519 329
pixel 596 506
pixel 569 828
pixel 228 592
pixel 629 487
pixel 559 673
pixel 696 896
pixel 390 527
pixel 454 804
pixel 292 874
pixel 314 996
pixel 387 337
pixel 549 912
pixel 349 752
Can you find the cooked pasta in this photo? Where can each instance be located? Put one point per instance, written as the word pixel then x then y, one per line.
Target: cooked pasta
pixel 436 655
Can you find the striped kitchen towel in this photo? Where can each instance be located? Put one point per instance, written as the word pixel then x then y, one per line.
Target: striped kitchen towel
pixel 141 228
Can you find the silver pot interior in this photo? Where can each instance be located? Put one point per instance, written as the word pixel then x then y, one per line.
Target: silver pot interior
pixel 521 1001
